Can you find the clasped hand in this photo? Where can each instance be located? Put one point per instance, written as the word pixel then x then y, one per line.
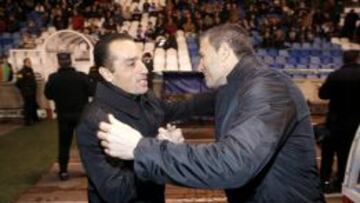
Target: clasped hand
pixel 120 140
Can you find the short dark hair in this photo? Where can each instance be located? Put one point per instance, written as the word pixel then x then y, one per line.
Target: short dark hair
pixel 235 35
pixel 64 59
pixel 26 59
pixel 350 56
pixel 101 49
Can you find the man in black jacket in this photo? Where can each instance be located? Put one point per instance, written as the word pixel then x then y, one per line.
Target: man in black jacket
pixel 26 82
pixel 264 149
pixel 124 93
pixel 342 88
pixel 70 91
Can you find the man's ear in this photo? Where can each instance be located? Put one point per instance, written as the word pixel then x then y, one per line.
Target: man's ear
pixel 224 51
pixel 106 74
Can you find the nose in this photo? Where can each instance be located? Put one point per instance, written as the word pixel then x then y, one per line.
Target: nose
pixel 143 68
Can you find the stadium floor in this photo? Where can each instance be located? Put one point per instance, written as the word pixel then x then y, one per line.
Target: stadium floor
pixel 50 189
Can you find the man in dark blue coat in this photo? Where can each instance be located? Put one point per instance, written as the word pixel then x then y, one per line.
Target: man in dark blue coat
pixel 342 88
pixel 264 149
pixel 70 90
pixel 124 93
pixel 26 82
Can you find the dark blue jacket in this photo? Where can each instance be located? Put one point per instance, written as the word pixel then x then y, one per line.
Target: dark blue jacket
pixel 112 180
pixel 342 88
pixel 264 149
pixel 70 90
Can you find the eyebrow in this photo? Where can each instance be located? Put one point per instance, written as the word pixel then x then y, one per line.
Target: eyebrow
pixel 131 59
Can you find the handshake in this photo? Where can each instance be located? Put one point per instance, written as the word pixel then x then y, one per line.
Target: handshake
pixel 171 133
pixel 120 140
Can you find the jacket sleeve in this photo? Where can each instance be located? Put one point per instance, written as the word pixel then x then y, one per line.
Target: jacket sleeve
pixel 113 183
pixel 49 89
pixel 88 85
pixel 325 91
pixel 199 105
pixel 259 127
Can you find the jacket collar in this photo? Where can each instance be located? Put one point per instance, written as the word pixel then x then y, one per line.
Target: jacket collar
pixel 116 98
pixel 246 66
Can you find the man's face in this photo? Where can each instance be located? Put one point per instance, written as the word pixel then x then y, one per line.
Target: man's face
pixel 210 64
pixel 130 74
pixel 27 63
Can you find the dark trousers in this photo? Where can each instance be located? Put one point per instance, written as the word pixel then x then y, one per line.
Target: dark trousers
pixel 30 107
pixel 339 143
pixel 66 132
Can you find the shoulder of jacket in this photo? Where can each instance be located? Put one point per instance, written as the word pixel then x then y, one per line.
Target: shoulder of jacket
pixel 94 113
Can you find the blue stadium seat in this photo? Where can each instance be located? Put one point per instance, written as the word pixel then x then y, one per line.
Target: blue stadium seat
pixel 295 52
pixel 261 52
pixel 283 52
pixel 268 60
pixel 335 46
pixel 326 53
pixel 276 66
pixel 272 52
pixel 293 60
pixel 316 46
pixel 336 52
pixel 16 35
pixel 280 60
pixel 326 45
pixel 315 52
pixel 296 45
pixel 326 59
pixel 289 66
pixel 6 35
pixel 301 66
pixel 306 45
pixel 338 60
pixel 314 60
pixel 317 40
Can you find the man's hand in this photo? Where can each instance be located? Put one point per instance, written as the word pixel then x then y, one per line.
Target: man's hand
pixel 118 139
pixel 171 133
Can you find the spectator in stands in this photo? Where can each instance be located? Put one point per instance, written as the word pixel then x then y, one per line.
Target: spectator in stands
pixel 208 22
pixel 13 24
pixel 118 16
pixel 189 26
pixel 32 28
pixel 150 32
pixel 136 14
pixel 349 27
pixel 95 76
pixel 70 91
pixel 77 20
pixel 60 22
pixel 342 88
pixel 7 70
pixel 146 6
pixel 170 26
pixel 127 13
pixel 147 59
pixel 26 82
pixel 152 9
pixel 262 130
pixel 28 41
pixel 109 25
